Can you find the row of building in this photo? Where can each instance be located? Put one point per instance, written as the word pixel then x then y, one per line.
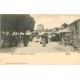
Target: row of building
pixel 70 34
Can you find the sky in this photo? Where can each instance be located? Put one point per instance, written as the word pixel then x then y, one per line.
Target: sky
pixel 51 21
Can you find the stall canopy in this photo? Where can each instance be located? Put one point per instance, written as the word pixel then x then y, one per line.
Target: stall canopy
pixel 66 30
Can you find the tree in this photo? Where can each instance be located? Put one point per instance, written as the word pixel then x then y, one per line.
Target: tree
pixel 17 22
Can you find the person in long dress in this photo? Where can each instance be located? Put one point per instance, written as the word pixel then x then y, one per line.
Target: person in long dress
pixel 43 40
pixel 25 39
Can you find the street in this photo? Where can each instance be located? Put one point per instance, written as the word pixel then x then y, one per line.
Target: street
pixel 51 47
pixel 36 47
pixel 53 53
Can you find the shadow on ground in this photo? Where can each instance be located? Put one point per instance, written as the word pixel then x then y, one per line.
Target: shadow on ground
pixel 7 50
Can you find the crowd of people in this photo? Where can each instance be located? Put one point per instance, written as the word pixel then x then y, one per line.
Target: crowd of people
pixel 13 39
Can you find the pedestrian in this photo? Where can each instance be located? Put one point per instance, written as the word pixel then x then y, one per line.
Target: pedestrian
pixel 46 38
pixel 31 37
pixel 43 40
pixel 10 39
pixel 15 39
pixel 5 42
pixel 25 39
pixel 37 38
pixel 49 37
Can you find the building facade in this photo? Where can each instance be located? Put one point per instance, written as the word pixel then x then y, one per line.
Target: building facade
pixel 40 27
pixel 71 34
pixel 75 28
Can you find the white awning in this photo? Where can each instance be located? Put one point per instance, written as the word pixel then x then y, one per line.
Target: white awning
pixel 64 30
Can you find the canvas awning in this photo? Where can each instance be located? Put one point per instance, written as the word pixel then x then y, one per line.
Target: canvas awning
pixel 66 30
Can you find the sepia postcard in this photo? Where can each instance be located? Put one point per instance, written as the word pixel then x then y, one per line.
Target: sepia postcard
pixel 40 39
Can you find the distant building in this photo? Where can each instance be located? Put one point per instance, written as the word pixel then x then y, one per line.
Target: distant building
pixel 40 27
pixel 64 25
